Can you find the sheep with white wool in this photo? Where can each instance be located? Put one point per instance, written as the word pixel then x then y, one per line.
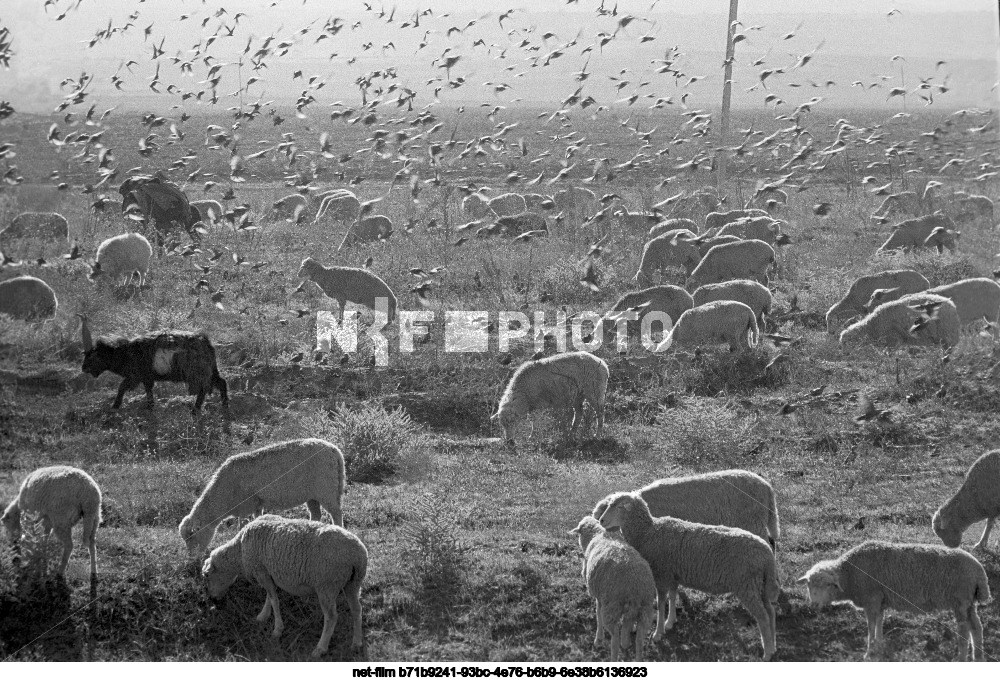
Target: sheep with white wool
pixel 673 225
pixel 302 557
pixel 340 205
pixel 289 206
pixel 714 221
pixel 902 322
pixel 349 284
pixel 861 291
pixel 763 228
pixel 621 584
pixel 123 256
pixel 537 202
pixel 283 475
pixel 210 209
pixel 507 204
pixel 637 222
pixel 709 558
pixel 48 226
pixel 752 294
pixel 27 298
pixel 673 300
pixel 721 321
pixel 367 230
pixel 666 250
pixel 561 382
pixel 705 244
pixel 901 202
pixel 976 499
pixel 876 576
pixel 518 224
pixel 576 201
pixel 476 205
pixel 922 232
pixel 976 299
pixel 749 259
pixel 734 498
pixel 62 496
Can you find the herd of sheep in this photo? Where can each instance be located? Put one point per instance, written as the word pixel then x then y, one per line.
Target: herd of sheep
pixel 717 533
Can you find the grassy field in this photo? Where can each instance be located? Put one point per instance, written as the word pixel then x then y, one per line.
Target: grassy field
pixel 469 553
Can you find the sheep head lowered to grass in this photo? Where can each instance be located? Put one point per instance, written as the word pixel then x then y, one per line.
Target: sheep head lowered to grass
pixel 176 356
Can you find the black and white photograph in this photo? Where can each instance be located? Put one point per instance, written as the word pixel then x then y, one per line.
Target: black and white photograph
pixel 562 338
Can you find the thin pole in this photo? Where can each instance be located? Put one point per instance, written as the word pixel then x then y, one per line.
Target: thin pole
pixel 727 91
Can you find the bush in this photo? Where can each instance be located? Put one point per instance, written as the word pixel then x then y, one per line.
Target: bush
pixel 372 438
pixel 437 559
pixel 706 434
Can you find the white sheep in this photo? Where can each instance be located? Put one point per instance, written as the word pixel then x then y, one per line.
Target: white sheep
pixel 507 204
pixel 673 225
pixel 123 256
pixel 673 300
pixel 709 558
pixel 861 291
pixel 976 499
pixel 576 201
pixel 288 206
pixel 340 205
pixel 476 205
pixel 561 382
pixel 27 298
pixel 210 209
pixel 714 221
pixel 637 222
pixel 876 576
pixel 537 202
pixel 705 244
pixel 344 284
pixel 283 475
pixel 666 250
pixel 766 229
pixel 750 259
pixel 367 230
pixel 721 321
pixel 515 225
pixel 752 294
pixel 902 202
pixel 49 226
pixel 893 323
pixel 302 557
pixel 62 496
pixel 975 299
pixel 916 233
pixel 734 498
pixel 621 584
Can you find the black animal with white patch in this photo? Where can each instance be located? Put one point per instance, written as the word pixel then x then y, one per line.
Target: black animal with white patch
pixel 176 356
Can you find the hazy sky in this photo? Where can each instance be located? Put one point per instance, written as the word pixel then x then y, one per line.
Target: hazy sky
pixel 851 41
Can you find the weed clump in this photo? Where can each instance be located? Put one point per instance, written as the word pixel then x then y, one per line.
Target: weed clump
pixel 436 558
pixel 372 439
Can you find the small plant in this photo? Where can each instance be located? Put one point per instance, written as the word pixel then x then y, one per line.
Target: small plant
pixel 704 433
pixel 372 439
pixel 437 559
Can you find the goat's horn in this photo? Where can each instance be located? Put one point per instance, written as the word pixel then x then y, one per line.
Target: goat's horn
pixel 88 342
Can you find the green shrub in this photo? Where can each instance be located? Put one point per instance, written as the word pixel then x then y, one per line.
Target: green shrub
pixel 704 433
pixel 372 438
pixel 436 557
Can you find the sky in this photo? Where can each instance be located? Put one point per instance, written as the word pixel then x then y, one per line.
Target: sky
pixel 851 44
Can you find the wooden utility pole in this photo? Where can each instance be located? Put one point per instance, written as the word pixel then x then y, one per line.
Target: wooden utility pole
pixel 727 93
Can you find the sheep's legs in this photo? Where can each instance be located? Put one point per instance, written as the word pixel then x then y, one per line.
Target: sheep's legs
pixel 641 629
pixel 984 540
pixel 977 633
pixel 353 593
pixel 65 537
pixel 333 508
pixel 600 624
pixel 329 606
pixel 265 612
pixel 672 617
pixel 315 512
pixel 762 612
pixel 962 617
pixel 90 536
pixel 615 636
pixel 272 596
pixel 123 388
pixel 874 616
pixel 661 605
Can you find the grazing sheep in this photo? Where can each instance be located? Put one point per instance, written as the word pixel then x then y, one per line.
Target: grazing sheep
pixel 507 204
pixel 896 322
pixel 62 496
pixel 877 575
pixel 122 257
pixel 177 356
pixel 302 557
pixel 635 222
pixel 621 584
pixel 764 229
pixel 666 250
pixel 714 221
pixel 210 209
pixel 159 201
pixel 673 225
pixel 903 202
pixel 340 205
pixel 976 499
pixel 349 284
pixel 576 201
pixel 709 558
pixel 366 230
pixel 975 299
pixel 734 498
pixel 283 475
pixel 942 238
pixel 516 225
pixel 915 233
pixel 698 202
pixel 705 244
pixel 48 226
pixel 721 321
pixel 27 298
pixel 755 296
pixel 476 205
pixel 561 382
pixel 748 259
pixel 288 206
pixel 537 202
pixel 861 291
pixel 672 300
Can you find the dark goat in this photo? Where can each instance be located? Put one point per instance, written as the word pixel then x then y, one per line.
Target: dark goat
pixel 177 356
